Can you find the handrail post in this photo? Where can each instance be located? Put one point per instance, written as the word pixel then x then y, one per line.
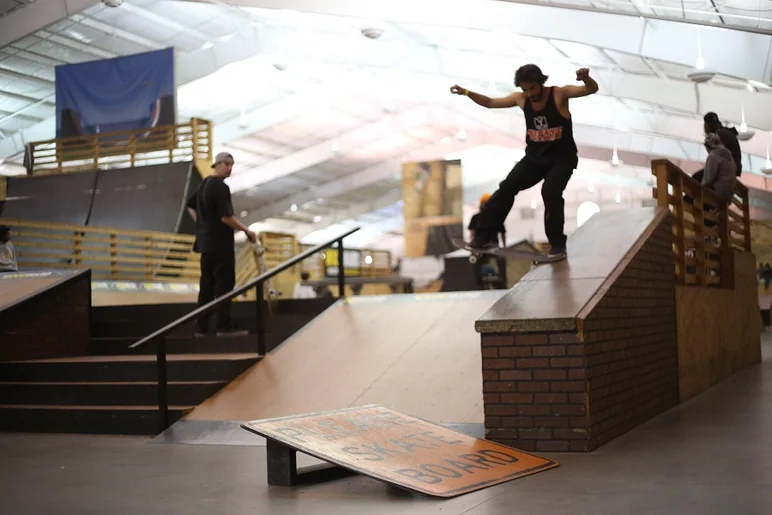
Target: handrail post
pixel 163 401
pixel 341 271
pixel 746 220
pixel 727 254
pixel 700 258
pixel 260 319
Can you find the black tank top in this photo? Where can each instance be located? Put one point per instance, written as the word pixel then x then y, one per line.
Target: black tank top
pixel 549 134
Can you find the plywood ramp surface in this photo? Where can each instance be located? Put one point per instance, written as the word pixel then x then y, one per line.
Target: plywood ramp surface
pixel 18 286
pixel 551 296
pixel 418 354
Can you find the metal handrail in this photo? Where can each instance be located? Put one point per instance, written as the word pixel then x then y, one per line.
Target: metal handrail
pixel 257 283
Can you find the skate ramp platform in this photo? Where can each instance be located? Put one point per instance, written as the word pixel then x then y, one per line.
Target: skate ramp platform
pixel 589 345
pixel 418 354
pixel 44 314
pixel 552 296
pixel 149 198
pixel 62 198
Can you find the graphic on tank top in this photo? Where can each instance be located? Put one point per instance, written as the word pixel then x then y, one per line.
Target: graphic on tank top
pixel 548 132
pixel 542 131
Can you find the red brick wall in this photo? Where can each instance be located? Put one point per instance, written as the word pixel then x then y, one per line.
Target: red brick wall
pixel 534 391
pixel 574 391
pixel 631 343
pixel 53 324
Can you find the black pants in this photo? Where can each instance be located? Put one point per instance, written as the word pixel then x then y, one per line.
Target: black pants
pixel 218 277
pixel 526 174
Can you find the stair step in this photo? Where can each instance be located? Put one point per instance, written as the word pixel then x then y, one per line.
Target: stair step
pixel 139 327
pixel 120 420
pixel 123 368
pixel 105 393
pixel 166 313
pixel 186 344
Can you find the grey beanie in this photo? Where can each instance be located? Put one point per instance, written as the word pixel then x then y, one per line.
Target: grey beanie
pixel 712 141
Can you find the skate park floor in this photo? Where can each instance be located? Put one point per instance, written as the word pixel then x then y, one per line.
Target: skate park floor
pixel 711 455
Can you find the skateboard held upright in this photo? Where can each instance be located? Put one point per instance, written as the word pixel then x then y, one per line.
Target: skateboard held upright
pixel 258 252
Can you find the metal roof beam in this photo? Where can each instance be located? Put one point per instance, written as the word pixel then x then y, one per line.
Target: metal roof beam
pixel 37 16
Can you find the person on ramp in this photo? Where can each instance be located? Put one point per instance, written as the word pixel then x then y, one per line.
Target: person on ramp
pixel 550 153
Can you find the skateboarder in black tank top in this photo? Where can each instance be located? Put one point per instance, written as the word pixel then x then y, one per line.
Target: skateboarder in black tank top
pixel 550 153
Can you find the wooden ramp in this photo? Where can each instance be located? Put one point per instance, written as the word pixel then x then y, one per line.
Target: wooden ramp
pixel 17 287
pixel 418 354
pixel 44 314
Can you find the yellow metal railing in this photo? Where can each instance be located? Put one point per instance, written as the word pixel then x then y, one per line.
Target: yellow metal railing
pixel 111 254
pixel 190 141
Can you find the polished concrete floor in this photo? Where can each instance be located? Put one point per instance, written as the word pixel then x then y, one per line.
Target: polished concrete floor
pixel 709 456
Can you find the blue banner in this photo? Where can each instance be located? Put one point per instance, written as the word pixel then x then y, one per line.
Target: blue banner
pixel 130 92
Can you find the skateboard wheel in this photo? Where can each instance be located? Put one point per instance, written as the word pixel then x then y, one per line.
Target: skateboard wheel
pixel 473 259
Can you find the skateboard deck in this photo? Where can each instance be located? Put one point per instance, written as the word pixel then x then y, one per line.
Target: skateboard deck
pixel 536 257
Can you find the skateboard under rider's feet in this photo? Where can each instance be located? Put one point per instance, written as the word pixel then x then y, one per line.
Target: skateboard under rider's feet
pixel 535 256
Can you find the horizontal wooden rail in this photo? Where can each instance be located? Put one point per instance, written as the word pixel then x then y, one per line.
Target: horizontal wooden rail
pixel 111 254
pixel 122 149
pixel 706 230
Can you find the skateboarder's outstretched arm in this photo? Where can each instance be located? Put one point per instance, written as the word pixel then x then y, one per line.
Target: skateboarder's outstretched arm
pixel 512 100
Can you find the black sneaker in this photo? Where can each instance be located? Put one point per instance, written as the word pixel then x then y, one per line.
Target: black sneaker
pixel 557 252
pixel 232 332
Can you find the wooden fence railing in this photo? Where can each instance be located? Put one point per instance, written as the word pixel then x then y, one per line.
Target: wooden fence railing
pixel 190 141
pixel 358 262
pixel 127 255
pixel 370 262
pixel 111 254
pixel 706 230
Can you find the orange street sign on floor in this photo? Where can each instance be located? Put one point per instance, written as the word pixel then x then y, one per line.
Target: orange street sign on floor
pixel 401 450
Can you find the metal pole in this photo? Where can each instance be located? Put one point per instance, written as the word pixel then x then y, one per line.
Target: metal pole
pixel 341 271
pixel 163 402
pixel 260 305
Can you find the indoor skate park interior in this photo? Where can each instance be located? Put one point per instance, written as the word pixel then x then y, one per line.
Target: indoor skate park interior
pixel 381 368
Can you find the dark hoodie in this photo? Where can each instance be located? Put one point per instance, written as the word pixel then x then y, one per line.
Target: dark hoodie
pixel 720 169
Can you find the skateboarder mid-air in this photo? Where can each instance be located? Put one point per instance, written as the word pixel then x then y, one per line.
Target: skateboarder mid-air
pixel 550 153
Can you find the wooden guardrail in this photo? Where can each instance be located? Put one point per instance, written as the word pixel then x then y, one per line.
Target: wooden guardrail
pixel 281 246
pixel 369 262
pixel 122 149
pixel 111 254
pixel 706 230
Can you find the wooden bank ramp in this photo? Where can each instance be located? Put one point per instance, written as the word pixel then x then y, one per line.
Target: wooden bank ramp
pixel 417 353
pixel 553 297
pixel 44 314
pixel 18 287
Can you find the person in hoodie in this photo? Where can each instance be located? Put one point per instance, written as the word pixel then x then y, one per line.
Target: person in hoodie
pixel 7 252
pixel 728 136
pixel 720 170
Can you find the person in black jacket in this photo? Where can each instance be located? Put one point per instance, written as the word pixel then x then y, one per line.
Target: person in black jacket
pixel 728 137
pixel 212 209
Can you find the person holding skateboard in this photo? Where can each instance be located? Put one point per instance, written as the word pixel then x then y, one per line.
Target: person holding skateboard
pixel 550 153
